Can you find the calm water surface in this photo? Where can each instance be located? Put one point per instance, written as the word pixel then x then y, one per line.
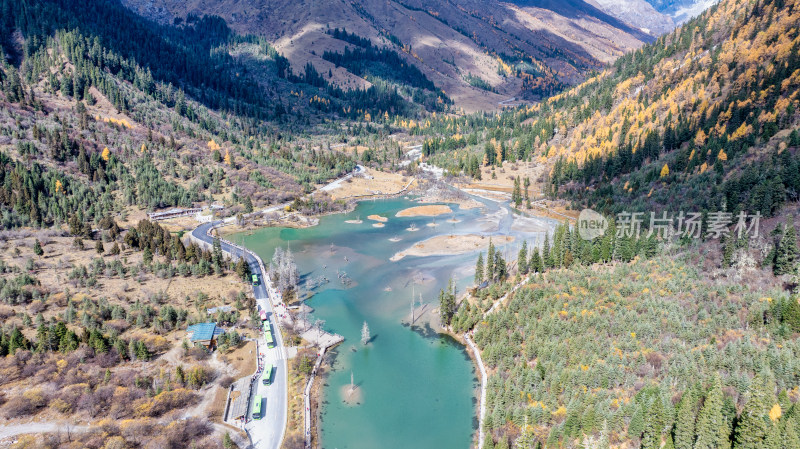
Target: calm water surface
pixel 418 390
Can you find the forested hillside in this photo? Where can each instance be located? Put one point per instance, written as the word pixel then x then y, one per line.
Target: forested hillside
pixel 104 112
pixel 703 117
pixel 649 354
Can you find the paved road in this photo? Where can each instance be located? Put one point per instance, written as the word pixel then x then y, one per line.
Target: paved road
pixel 268 432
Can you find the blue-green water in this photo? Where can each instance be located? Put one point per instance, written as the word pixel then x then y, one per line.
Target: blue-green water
pixel 417 389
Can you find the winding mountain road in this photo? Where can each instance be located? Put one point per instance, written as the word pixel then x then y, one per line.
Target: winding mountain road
pixel 268 432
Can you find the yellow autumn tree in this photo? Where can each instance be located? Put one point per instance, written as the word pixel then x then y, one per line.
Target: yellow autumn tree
pixel 59 187
pixel 228 159
pixel 144 148
pixel 106 154
pixel 700 138
pixel 722 156
pixel 665 171
pixel 775 412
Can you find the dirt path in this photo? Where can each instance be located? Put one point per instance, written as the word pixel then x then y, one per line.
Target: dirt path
pixel 39 427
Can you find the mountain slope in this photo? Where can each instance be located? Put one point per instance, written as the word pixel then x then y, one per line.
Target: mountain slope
pixel 706 118
pixel 97 133
pixel 529 48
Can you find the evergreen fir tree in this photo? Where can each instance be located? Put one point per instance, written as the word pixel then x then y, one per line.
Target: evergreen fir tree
pixel 516 195
pixel 535 265
pixel 447 303
pixel 710 418
pixel 654 424
pixel 488 443
pixel 37 248
pixel 490 262
pixel 786 250
pixel 754 423
pixel 636 424
pixel 502 443
pixel 500 271
pixel 790 437
pixel 547 257
pixel 686 414
pixel 791 314
pixel 522 258
pixel 479 270
pixel 668 444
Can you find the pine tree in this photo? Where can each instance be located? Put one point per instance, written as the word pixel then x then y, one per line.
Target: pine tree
pixel 516 195
pixel 479 270
pixel 535 265
pixel 786 251
pixel 488 443
pixel 522 258
pixel 685 420
pixel 754 423
pixel 490 262
pixel 728 243
pixel 447 303
pixel 794 138
pixel 654 425
pixel 547 257
pixel 791 314
pixel 527 196
pixel 216 251
pixel 636 424
pixel 500 271
pixel 242 269
pixel 180 375
pixel 37 248
pixel 790 436
pixel 710 418
pixel 227 441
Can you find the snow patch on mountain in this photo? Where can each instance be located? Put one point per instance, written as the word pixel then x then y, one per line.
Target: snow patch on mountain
pixel 684 13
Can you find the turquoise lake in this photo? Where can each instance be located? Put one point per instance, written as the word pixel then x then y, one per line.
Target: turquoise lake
pixel 418 389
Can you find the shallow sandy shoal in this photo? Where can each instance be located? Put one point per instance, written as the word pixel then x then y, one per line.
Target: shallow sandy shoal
pixel 446 245
pixel 431 210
